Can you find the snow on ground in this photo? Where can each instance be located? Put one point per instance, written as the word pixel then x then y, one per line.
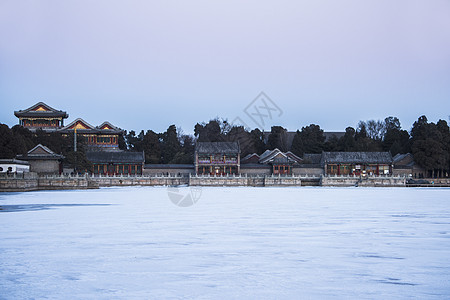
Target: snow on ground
pixel 248 243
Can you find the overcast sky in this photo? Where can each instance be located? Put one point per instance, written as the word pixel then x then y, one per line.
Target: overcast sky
pixel 150 64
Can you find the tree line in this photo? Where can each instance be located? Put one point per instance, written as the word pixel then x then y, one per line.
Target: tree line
pixel 19 140
pixel 429 142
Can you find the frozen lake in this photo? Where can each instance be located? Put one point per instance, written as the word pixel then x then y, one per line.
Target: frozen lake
pixel 248 243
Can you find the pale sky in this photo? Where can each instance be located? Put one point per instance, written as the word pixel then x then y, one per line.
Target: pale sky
pixel 150 64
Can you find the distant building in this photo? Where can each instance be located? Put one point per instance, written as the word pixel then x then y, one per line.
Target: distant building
pixel 116 162
pixel 404 164
pixel 310 165
pixel 217 158
pixel 41 116
pixel 276 161
pixel 42 160
pixel 104 136
pixel 99 142
pixel 14 166
pixel 357 163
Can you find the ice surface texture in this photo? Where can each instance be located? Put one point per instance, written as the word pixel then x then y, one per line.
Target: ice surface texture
pixel 248 243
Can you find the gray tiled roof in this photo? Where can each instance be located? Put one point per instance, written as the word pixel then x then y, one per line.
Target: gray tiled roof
pixel 312 158
pixel 115 157
pixel 168 166
pixel 40 152
pixel 91 129
pixel 293 156
pixel 281 160
pixel 270 155
pixel 40 157
pixel 41 147
pixel 357 157
pixel 400 157
pixel 248 156
pixel 217 147
pixel 267 153
pixel 14 161
pixel 278 157
pixel 50 113
pixel 255 166
pixel 404 161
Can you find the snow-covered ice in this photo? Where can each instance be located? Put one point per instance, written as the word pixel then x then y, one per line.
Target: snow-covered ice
pixel 247 243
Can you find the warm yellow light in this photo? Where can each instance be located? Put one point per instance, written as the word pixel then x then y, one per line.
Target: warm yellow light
pixel 79 126
pixel 40 108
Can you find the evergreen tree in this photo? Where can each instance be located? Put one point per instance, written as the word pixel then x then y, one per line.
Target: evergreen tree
pixel 170 145
pixel 430 145
pixel 240 135
pixel 277 139
pixel 210 132
pixel 313 139
pixel 132 141
pixel 186 154
pixel 395 139
pixel 297 144
pixel 257 141
pixel 347 142
pixel 8 145
pixel 364 142
pixel 152 148
pixel 332 144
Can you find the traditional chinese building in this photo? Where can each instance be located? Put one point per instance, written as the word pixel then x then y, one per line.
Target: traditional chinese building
pixel 104 136
pixel 102 143
pixel 116 162
pixel 405 165
pixel 41 116
pixel 280 163
pixel 217 158
pixel 42 160
pixel 357 163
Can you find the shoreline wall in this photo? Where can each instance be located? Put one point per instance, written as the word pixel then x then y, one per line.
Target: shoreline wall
pixel 143 181
pixel 18 185
pixel 31 182
pixel 359 181
pixel 255 181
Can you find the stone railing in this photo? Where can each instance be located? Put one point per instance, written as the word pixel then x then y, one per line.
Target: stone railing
pixel 353 180
pixel 244 180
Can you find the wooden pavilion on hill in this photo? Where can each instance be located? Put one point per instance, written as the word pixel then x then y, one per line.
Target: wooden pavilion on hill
pixel 104 136
pixel 41 116
pixel 101 142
